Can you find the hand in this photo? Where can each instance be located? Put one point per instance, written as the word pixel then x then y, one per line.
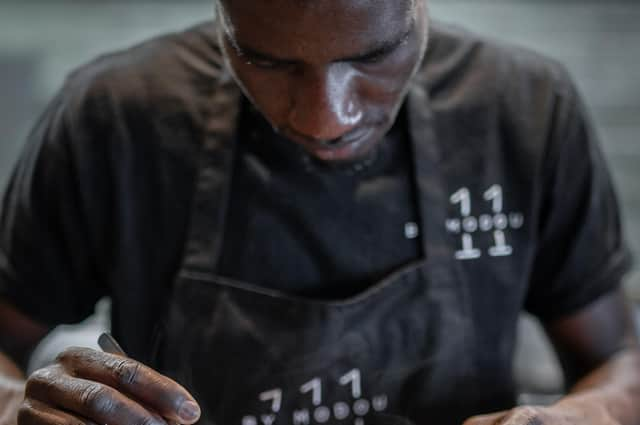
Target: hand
pixel 568 411
pixel 86 386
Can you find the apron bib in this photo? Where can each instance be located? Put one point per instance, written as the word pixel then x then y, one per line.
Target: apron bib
pixel 398 353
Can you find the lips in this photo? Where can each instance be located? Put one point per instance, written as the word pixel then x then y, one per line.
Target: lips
pixel 346 148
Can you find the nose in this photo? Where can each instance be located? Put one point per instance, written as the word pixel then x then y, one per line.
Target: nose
pixel 324 103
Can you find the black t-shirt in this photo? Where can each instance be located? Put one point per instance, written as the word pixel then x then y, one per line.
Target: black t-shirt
pixel 100 200
pixel 305 228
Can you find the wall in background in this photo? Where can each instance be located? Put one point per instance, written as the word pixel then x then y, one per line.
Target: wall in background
pixel 41 41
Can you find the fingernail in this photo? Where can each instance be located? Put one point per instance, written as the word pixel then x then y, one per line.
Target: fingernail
pixel 189 411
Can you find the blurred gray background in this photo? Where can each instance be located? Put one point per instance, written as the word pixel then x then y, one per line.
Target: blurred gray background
pixel 41 41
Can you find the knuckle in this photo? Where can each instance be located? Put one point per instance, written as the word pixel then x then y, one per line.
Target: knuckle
pixel 42 379
pixel 96 398
pixel 40 375
pixel 73 358
pixel 126 371
pixel 35 379
pixel 70 355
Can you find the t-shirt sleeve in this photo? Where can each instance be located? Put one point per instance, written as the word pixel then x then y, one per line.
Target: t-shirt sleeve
pixel 47 250
pixel 581 254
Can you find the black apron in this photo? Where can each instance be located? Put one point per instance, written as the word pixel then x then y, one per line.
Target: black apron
pixel 398 353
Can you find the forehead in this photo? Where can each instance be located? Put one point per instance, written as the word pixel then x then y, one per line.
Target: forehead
pixel 302 26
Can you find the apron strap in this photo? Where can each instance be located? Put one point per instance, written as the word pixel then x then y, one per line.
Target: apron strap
pixel 431 190
pixel 209 207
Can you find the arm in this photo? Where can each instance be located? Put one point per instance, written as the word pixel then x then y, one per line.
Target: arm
pixel 599 351
pixel 18 336
pixel 601 359
pixel 54 255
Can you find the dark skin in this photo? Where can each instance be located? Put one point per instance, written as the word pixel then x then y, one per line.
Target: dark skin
pixel 336 95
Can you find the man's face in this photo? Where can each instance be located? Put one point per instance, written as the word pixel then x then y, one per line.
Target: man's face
pixel 329 75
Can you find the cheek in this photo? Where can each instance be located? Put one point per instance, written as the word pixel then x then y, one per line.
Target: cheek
pixel 385 90
pixel 388 82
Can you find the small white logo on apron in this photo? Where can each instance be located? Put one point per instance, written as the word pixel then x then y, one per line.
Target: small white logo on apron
pixel 321 414
pixel 498 222
pixel 411 230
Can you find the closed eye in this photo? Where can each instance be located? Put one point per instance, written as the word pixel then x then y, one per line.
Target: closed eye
pixel 264 64
pixel 257 59
pixel 374 57
pixel 382 52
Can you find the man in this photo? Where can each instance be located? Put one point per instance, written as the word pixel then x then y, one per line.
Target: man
pixel 316 212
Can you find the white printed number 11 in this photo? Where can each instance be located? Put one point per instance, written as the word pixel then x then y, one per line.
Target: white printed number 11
pixel 470 224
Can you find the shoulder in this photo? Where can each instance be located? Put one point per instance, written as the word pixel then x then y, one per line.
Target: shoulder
pixel 501 115
pixel 160 99
pixel 492 96
pixel 171 73
pixel 486 67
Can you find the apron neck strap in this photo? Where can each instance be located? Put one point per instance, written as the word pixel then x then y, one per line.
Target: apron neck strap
pixel 430 185
pixel 209 206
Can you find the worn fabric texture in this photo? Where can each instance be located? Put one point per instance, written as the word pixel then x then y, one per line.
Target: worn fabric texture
pixel 127 179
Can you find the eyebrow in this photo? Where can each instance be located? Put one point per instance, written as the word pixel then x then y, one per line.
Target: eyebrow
pixel 380 49
pixel 377 50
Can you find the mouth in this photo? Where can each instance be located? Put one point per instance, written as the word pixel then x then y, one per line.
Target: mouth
pixel 349 147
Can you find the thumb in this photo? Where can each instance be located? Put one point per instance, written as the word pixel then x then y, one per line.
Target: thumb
pixel 490 419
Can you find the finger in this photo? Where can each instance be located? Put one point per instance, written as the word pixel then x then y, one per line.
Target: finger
pixel 92 400
pixel 490 419
pixel 33 412
pixel 525 415
pixel 153 390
